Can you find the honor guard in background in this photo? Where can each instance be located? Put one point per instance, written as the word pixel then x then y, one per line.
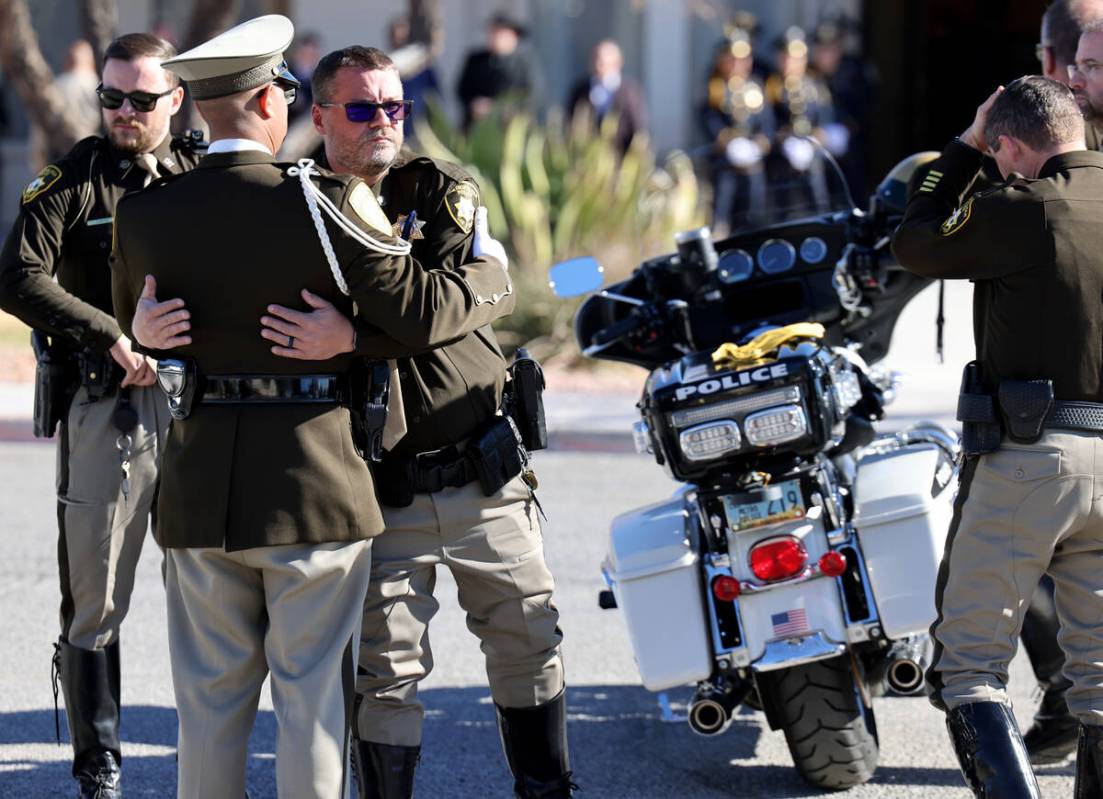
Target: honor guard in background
pixel 1032 413
pixel 266 503
pixel 740 124
pixel 55 276
pixel 802 108
pixel 456 490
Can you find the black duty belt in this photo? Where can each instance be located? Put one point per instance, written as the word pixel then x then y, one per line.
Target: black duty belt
pixel 440 469
pixel 1087 416
pixel 293 389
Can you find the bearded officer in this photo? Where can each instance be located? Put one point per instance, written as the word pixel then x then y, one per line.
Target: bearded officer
pixel 54 275
pixel 266 506
pixel 435 507
pixel 1032 407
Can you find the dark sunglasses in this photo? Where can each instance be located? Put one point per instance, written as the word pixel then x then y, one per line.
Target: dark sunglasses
pixel 364 111
pixel 290 90
pixel 142 101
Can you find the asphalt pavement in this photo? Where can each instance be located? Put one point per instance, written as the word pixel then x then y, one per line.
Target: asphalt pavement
pixel 621 745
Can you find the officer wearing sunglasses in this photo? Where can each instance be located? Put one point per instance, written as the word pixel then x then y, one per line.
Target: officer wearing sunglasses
pixel 54 275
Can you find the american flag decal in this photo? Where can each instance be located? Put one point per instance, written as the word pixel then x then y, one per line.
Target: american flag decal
pixel 791 622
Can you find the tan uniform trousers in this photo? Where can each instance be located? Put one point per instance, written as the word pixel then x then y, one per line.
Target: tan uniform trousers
pixel 1022 511
pixel 101 531
pixel 233 617
pixel 494 549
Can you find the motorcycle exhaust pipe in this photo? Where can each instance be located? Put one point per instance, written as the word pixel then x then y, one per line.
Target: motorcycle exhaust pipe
pixel 711 709
pixel 907 664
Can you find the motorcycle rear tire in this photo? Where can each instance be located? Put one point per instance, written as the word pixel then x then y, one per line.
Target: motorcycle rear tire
pixel 831 732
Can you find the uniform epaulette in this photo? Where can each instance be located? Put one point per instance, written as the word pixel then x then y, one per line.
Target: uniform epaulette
pixel 446 168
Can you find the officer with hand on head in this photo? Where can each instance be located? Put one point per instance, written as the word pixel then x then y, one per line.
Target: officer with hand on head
pixel 54 275
pixel 267 507
pixel 1032 413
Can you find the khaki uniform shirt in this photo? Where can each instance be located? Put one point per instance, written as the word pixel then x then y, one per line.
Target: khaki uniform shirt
pixel 1034 250
pixel 63 231
pixel 450 391
pixel 249 475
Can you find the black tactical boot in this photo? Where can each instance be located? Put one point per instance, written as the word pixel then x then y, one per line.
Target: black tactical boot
pixel 1052 737
pixel 90 683
pixel 990 751
pixel 384 771
pixel 1089 763
pixel 535 742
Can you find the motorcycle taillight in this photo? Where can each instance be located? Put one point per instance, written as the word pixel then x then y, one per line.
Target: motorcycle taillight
pixel 778 558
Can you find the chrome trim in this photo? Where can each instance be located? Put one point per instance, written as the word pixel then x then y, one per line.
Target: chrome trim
pixel 787 652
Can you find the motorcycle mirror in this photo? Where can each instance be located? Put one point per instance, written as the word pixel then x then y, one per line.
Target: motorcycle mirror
pixel 576 277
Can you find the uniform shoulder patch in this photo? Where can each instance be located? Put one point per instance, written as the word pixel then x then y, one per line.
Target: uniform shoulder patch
pixel 45 179
pixel 956 221
pixel 461 201
pixel 366 206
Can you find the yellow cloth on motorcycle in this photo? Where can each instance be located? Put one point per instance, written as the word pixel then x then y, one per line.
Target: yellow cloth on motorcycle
pixel 765 345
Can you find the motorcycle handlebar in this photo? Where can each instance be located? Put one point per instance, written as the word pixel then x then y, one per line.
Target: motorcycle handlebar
pixel 617 330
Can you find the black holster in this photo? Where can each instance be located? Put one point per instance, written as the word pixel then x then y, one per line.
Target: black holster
pixel 55 383
pixel 369 389
pixel 1024 405
pixel 496 454
pixel 525 400
pixel 99 375
pixel 976 410
pixel 180 380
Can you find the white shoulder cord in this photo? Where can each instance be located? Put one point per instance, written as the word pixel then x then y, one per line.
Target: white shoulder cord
pixel 314 198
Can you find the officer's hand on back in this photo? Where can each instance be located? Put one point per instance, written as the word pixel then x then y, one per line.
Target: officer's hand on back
pixel 483 244
pixel 160 325
pixel 316 335
pixel 139 369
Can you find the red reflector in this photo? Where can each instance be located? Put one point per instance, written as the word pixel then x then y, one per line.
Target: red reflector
pixel 833 564
pixel 725 588
pixel 778 559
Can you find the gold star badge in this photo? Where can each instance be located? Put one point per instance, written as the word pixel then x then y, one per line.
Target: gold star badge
pixel 415 233
pixel 461 202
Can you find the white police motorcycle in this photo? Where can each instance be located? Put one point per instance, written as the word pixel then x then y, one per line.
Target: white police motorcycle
pixel 794 569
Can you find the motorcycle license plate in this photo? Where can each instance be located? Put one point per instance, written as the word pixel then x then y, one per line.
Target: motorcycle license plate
pixel 748 515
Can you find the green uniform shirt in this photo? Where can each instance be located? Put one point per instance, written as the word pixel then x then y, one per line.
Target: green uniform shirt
pixel 64 230
pixel 1034 250
pixel 451 390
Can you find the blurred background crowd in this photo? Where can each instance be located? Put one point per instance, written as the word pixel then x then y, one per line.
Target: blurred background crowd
pixel 597 127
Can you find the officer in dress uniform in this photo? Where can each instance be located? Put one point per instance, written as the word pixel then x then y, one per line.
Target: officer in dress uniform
pixel 440 504
pixel 54 275
pixel 802 108
pixel 266 504
pixel 740 124
pixel 1032 408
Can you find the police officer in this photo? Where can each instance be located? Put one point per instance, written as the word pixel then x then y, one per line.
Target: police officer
pixel 437 507
pixel 740 124
pixel 54 275
pixel 266 507
pixel 802 108
pixel 1034 251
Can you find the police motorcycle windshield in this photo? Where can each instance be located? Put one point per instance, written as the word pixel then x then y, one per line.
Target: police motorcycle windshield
pixel 815 257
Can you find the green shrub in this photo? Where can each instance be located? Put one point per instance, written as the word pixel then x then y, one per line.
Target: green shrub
pixel 560 190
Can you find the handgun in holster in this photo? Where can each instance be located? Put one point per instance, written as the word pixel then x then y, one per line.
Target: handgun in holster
pixel 525 400
pixel 369 389
pixel 180 380
pixel 978 414
pixel 55 383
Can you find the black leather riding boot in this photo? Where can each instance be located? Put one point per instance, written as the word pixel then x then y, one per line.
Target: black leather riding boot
pixel 535 743
pixel 990 751
pixel 1052 736
pixel 384 771
pixel 1089 763
pixel 90 682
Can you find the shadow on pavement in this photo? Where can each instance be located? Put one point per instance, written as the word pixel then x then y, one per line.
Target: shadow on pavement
pixel 620 747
